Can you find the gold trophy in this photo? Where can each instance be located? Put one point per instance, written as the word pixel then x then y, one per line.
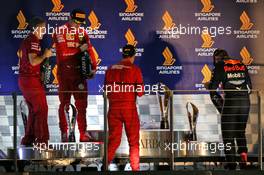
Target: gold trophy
pixel 164 106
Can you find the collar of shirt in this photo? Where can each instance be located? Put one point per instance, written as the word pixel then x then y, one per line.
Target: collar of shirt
pixel 126 62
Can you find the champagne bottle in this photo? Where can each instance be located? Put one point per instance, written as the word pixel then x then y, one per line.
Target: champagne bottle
pixel 46 71
pixel 86 64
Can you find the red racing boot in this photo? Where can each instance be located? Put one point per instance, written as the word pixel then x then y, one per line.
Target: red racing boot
pixel 243 160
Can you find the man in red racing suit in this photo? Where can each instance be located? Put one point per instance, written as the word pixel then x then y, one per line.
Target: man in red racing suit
pixel 68 46
pixel 30 59
pixel 123 83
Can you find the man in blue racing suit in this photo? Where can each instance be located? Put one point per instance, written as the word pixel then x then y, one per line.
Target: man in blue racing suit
pixel 233 75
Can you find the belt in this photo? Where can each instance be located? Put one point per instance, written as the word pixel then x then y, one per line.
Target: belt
pixel 71 67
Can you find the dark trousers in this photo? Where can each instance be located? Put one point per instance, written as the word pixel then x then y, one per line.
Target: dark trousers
pixel 233 123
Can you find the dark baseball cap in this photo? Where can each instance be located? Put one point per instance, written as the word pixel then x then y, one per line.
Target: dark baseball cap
pixel 78 16
pixel 221 53
pixel 128 51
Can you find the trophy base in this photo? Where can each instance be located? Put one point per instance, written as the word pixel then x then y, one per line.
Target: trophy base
pixel 150 149
pixel 164 125
pixel 190 136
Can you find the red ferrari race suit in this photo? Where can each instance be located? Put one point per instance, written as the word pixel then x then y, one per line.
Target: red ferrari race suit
pixel 124 83
pixel 69 75
pixel 33 91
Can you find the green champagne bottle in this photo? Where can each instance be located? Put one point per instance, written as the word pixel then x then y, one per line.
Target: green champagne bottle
pixel 46 71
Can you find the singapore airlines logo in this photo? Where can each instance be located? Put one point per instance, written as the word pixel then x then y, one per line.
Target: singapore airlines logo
pixel 206 73
pixel 58 6
pixel 206 13
pixel 246 57
pixel 168 21
pixel 21 30
pixel 98 60
pixel 169 60
pixel 246 23
pixel 21 20
pixel 130 38
pixel 131 7
pixel 54 73
pixel 131 13
pixel 207 40
pixel 95 25
pixel 207 6
pixel 169 66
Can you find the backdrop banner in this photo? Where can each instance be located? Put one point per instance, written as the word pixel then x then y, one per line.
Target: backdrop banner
pixel 174 39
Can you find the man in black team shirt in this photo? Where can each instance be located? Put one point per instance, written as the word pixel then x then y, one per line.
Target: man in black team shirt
pixel 234 108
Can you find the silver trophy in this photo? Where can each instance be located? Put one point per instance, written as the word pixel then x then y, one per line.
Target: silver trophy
pixel 192 136
pixel 164 106
pixel 24 113
pixel 71 116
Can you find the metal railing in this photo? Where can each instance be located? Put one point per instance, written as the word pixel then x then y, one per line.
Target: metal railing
pixel 172 113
